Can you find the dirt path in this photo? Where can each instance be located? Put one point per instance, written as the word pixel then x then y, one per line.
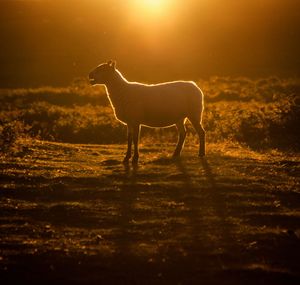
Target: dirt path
pixel 76 214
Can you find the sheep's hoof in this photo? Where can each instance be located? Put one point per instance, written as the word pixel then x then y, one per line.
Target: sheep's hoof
pixel 201 154
pixel 126 159
pixel 176 154
pixel 176 157
pixel 135 159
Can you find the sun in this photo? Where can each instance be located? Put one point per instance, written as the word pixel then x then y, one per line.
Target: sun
pixel 153 4
pixel 151 7
pixel 151 21
pixel 151 13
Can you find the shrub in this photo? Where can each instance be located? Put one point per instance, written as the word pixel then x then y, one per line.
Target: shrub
pixel 261 113
pixel 10 132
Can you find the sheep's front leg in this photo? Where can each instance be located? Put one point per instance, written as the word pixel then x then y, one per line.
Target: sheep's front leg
pixel 181 138
pixel 136 134
pixel 129 143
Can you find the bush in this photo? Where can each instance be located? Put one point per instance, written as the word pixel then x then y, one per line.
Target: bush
pixel 261 113
pixel 10 132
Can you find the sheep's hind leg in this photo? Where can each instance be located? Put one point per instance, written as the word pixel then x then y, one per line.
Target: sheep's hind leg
pixel 136 134
pixel 181 138
pixel 201 133
pixel 129 144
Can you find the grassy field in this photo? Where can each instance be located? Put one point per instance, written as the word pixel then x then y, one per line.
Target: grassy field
pixel 72 213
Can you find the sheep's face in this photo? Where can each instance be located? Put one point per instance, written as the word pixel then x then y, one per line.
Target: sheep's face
pixel 102 73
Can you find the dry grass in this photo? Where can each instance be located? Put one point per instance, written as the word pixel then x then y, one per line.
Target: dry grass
pixel 76 213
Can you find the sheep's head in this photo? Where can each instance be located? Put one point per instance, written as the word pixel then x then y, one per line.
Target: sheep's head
pixel 102 73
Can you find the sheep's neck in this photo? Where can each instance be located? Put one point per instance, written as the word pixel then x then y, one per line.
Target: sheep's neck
pixel 115 87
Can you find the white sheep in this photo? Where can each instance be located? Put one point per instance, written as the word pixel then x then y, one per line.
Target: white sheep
pixel 151 105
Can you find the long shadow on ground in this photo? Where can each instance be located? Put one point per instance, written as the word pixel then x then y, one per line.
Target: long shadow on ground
pixel 162 222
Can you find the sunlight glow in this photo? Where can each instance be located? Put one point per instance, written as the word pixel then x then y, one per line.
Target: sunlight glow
pixel 152 21
pixel 153 4
pixel 151 8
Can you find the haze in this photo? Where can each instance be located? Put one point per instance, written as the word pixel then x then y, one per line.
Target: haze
pixel 52 42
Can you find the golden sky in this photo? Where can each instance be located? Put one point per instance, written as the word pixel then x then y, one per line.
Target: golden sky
pixel 152 40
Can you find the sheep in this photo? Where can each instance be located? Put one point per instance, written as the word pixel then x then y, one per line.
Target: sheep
pixel 151 105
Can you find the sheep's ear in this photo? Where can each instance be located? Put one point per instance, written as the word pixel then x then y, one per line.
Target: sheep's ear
pixel 113 64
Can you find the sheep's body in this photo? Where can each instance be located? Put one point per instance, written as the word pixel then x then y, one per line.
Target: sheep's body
pixel 160 105
pixel 155 105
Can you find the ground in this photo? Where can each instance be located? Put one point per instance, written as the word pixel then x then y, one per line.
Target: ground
pixel 75 214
